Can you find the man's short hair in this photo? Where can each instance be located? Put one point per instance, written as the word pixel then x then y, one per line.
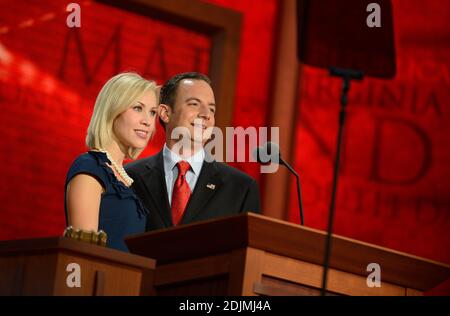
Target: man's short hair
pixel 168 93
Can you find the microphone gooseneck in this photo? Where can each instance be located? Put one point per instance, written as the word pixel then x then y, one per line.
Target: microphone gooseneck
pixel 270 152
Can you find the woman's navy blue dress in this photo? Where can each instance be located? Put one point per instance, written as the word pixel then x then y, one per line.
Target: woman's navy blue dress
pixel 121 211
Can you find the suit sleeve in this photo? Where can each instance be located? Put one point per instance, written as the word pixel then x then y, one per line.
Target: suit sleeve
pixel 137 184
pixel 252 199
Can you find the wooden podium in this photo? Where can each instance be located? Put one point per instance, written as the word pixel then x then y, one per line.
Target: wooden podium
pixel 42 267
pixel 251 254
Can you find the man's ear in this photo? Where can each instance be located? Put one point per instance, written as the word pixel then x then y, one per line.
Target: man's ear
pixel 164 112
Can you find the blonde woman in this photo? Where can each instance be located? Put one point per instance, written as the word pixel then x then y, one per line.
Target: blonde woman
pixel 98 194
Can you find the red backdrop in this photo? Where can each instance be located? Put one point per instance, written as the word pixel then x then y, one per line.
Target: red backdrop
pixel 394 185
pixel 395 179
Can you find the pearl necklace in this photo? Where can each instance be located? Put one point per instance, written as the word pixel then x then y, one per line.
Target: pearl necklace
pixel 119 169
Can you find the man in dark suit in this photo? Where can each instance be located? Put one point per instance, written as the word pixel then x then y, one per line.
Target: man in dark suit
pixel 181 185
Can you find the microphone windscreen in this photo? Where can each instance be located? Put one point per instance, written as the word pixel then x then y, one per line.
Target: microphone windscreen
pixel 255 154
pixel 269 152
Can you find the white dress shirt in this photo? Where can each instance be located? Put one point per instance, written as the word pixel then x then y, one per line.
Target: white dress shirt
pixel 171 170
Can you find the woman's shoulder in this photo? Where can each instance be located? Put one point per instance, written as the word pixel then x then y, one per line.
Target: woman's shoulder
pixel 91 162
pixel 90 159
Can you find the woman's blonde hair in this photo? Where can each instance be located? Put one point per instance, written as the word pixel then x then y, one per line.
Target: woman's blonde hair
pixel 116 96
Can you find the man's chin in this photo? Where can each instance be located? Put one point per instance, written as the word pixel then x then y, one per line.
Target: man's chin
pixel 199 142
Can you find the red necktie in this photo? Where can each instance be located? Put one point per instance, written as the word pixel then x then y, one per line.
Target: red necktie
pixel 181 192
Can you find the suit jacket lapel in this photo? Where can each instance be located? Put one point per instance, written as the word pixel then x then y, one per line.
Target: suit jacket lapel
pixel 156 186
pixel 208 183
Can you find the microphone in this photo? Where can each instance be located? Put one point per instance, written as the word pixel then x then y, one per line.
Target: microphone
pixel 270 153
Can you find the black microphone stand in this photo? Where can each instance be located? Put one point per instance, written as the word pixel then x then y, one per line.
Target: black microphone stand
pixel 269 150
pixel 347 75
pixel 299 194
